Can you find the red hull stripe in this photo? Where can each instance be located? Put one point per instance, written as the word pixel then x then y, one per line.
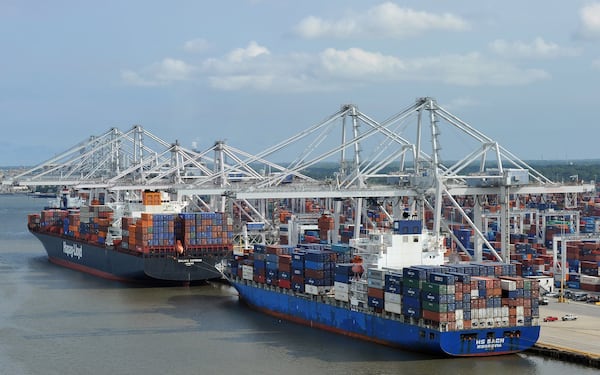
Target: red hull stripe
pixel 89 270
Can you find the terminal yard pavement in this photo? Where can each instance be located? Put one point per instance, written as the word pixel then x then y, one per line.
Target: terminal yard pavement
pixel 581 336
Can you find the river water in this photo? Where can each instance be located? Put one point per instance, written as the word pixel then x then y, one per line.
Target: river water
pixel 58 321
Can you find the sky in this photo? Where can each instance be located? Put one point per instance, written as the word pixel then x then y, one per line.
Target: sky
pixel 255 72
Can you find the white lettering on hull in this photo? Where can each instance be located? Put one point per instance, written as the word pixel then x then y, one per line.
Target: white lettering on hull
pixel 494 343
pixel 73 250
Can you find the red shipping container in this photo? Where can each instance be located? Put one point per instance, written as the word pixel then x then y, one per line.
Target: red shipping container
pixel 287 284
pixel 375 292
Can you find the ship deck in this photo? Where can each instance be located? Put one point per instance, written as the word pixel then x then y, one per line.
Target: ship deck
pixel 329 299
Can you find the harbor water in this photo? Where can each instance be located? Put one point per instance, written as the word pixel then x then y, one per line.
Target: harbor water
pixel 58 321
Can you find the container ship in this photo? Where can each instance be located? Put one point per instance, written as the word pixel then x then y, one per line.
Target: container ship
pixel 148 240
pixel 393 288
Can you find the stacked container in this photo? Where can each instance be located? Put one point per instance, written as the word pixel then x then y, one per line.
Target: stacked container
pixel 127 232
pixel 438 298
pixel 204 229
pixel 318 271
pixel 95 221
pixel 450 297
pixel 375 287
pixel 392 292
pixel 359 289
pixel 52 217
pixel 297 278
pixel 259 258
pixel 342 278
pixel 284 279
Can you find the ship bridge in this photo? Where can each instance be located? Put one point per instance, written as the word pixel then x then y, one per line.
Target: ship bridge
pixel 376 170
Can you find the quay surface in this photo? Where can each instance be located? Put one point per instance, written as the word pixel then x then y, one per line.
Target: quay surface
pixel 574 340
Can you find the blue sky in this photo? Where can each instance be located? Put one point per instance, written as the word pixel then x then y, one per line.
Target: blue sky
pixel 525 73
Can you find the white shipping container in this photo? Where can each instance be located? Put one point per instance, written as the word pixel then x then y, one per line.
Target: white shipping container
pixel 505 311
pixel 313 289
pixel 520 320
pixel 247 272
pixel 474 293
pixel 359 285
pixel 460 324
pixel 451 289
pixel 341 295
pixel 360 296
pixel 342 287
pixel 508 284
pixel 589 280
pixel 497 312
pixel 520 311
pixel 391 297
pixel 459 315
pixel 375 273
pixel 392 307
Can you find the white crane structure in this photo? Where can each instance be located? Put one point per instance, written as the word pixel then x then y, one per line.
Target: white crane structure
pixel 402 162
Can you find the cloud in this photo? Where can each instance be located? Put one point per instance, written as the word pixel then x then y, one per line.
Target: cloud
pixel 538 48
pixel 196 45
pixel 464 70
pixel 358 63
pixel 158 74
pixel 590 21
pixel 386 20
pixel 256 68
pixel 460 103
pixel 473 69
pixel 253 50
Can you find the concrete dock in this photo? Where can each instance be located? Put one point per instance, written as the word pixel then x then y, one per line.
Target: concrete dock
pixel 575 340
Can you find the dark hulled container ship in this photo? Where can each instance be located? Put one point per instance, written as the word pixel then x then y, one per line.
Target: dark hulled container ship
pixel 394 289
pixel 149 241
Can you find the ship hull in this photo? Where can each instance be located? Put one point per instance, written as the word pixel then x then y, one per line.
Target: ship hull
pixel 116 264
pixel 339 318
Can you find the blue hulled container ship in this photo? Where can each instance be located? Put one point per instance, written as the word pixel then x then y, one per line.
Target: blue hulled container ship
pixel 394 289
